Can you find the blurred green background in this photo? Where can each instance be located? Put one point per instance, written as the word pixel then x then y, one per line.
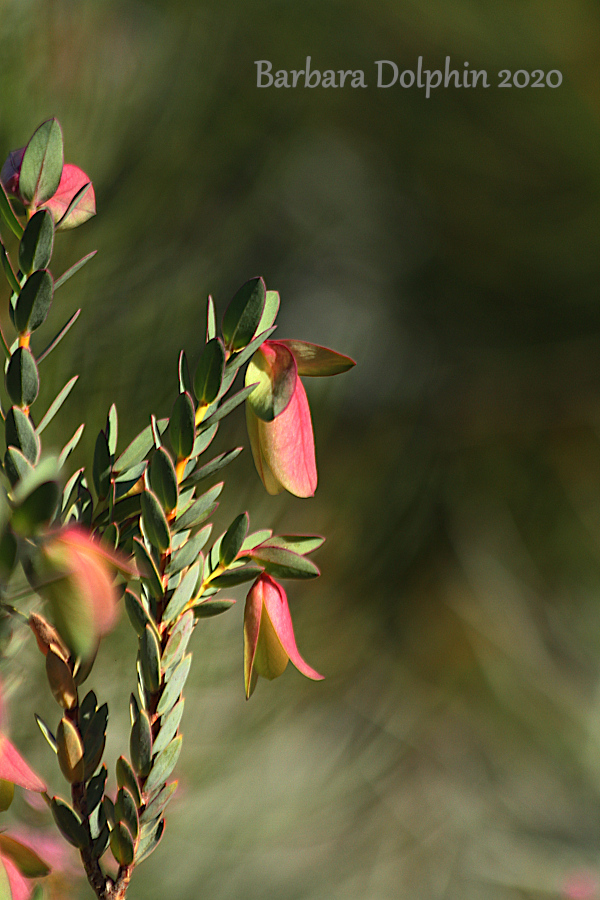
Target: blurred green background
pixel 451 246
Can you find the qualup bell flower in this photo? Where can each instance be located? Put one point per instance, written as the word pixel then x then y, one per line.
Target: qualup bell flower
pixel 75 574
pixel 269 641
pixel 278 415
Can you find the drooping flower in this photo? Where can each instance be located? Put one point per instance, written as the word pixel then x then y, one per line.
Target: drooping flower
pixel 13 768
pixel 73 181
pixel 76 575
pixel 278 415
pixel 269 641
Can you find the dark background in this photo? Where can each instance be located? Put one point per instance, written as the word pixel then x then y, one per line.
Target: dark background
pixel 451 246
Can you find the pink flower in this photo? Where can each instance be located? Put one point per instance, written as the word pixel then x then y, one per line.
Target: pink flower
pixel 13 767
pixel 76 576
pixel 269 641
pixel 72 181
pixel 278 415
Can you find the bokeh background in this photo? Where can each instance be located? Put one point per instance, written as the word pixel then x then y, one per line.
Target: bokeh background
pixel 451 246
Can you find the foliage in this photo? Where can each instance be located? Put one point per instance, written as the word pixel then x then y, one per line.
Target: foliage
pixel 136 529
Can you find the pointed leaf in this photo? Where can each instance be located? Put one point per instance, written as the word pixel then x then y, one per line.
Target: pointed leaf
pixel 182 595
pixel 173 689
pixel 22 379
pixel 243 314
pixel 199 510
pixel 177 643
pixel 121 844
pixel 233 540
pixel 126 777
pixel 42 164
pixel 206 609
pixel 20 433
pixel 126 811
pixel 74 268
pixel 283 563
pixel 26 860
pixel 182 427
pixel 209 374
pixel 212 467
pixel 95 790
pixel 168 727
pixel 70 751
pixel 189 552
pixel 60 680
pixel 156 526
pixel 150 659
pixel 34 301
pixel 140 744
pixel 163 479
pixel 56 404
pixel 35 249
pixel 7 214
pixel 69 823
pixel 164 764
pixel 149 842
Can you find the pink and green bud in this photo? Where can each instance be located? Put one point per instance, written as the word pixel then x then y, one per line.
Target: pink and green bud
pixel 278 415
pixel 76 575
pixel 269 642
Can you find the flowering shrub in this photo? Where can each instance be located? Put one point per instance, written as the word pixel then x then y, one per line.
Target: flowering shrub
pixel 136 529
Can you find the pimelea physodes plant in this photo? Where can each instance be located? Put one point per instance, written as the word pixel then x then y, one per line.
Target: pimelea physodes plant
pixel 135 532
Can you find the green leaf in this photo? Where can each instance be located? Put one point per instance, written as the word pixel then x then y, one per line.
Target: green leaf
pixel 26 860
pixel 237 360
pixel 209 374
pixel 126 811
pixel 101 467
pixel 74 268
pixel 182 595
pixel 57 403
pixel 126 777
pixel 22 379
pixel 212 467
pixel 46 732
pixel 147 568
pixel 16 465
pixel 87 711
pixel 126 481
pixel 185 381
pixel 173 689
pixel 70 751
pixel 312 359
pixel 156 526
pixel 59 336
pixel 233 539
pixel 275 375
pixel 20 433
pixel 150 659
pixel 42 164
pixel 94 741
pixel 177 643
pixel 34 301
pixel 149 842
pixel 163 479
pixel 204 439
pixel 299 543
pixel 269 312
pixel 95 790
pixel 199 510
pixel 158 803
pixel 121 844
pixel 282 563
pixel 236 576
pixel 189 552
pixel 211 319
pixel 37 509
pixel 163 765
pixel 68 823
pixel 138 614
pixel 12 279
pixel 228 406
pixel 168 727
pixel 258 537
pixel 140 744
pixel 60 680
pixel 206 609
pixel 7 214
pixel 243 314
pixel 139 448
pixel 112 430
pixel 35 249
pixel 182 426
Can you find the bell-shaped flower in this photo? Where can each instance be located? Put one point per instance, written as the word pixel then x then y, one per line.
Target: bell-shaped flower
pixel 73 202
pixel 269 641
pixel 75 573
pixel 278 415
pixel 14 769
